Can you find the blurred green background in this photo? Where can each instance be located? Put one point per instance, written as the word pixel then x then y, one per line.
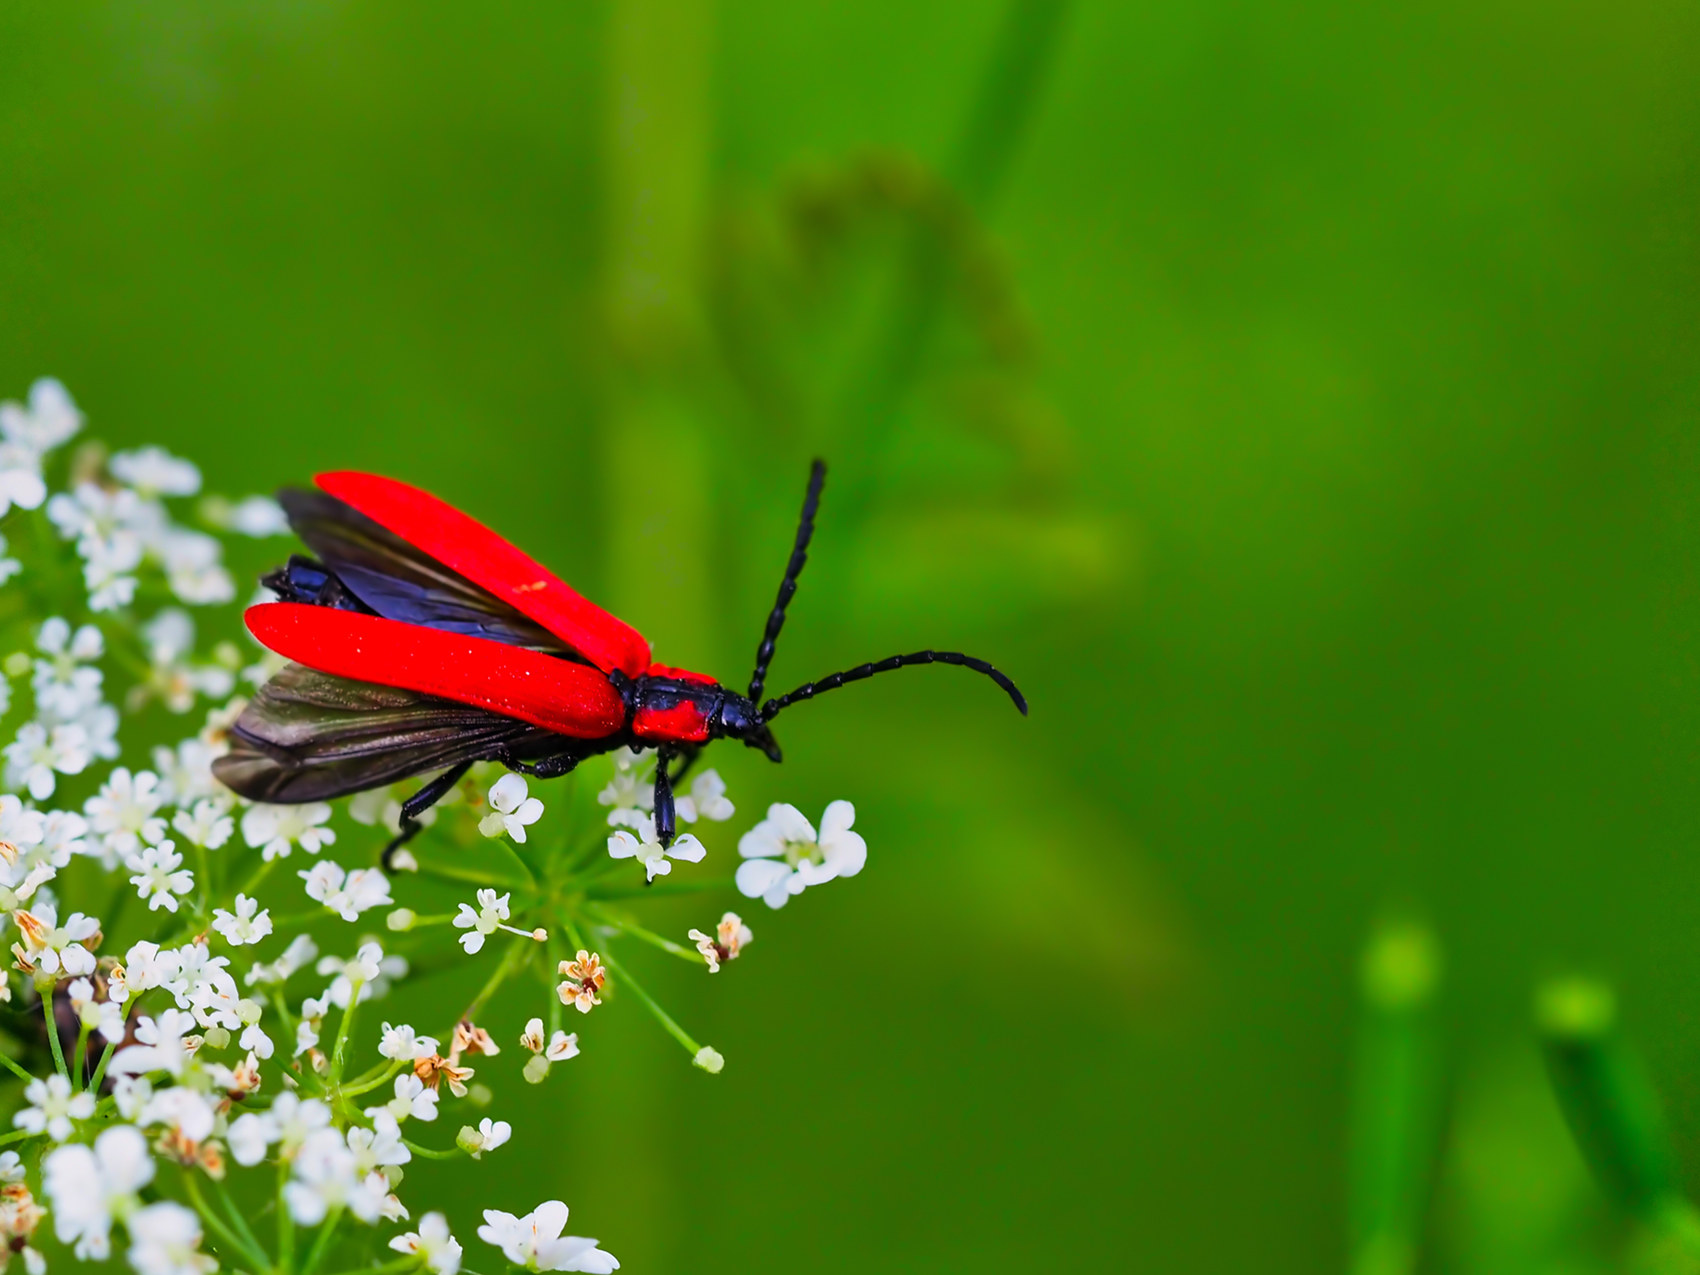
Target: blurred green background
pixel 1297 399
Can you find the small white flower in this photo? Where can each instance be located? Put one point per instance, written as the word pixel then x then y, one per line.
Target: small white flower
pixel 50 419
pixel 243 925
pixel 192 567
pixel 492 911
pixel 146 966
pixel 89 1187
pixel 123 814
pixel 52 948
pixel 324 1178
pixel 532 1037
pixel 160 876
pixel 207 825
pixel 276 829
pixel 66 685
pixel 433 1243
pixel 130 1094
pixel 644 847
pixel 62 833
pixel 182 1109
pixel 257 516
pixel 369 968
pixel 348 894
pixel 729 938
pixel 34 757
pixel 486 1137
pixel 511 811
pixel 378 1147
pixel 298 955
pixel 783 856
pixel 706 800
pixel 632 791
pixel 20 481
pixel 404 1045
pixel 412 1099
pixel 105 1017
pixel 562 1046
pixel 165 1239
pixel 536 1243
pixel 52 1107
pixel 20 831
pixel 186 777
pixel 162 1047
pixel 153 471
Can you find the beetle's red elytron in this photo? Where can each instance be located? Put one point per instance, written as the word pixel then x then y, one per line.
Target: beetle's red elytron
pixel 423 642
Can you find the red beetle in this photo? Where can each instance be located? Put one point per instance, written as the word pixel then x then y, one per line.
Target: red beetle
pixel 423 642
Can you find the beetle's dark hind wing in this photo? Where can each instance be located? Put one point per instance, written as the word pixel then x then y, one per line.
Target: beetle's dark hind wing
pixel 308 736
pixel 401 582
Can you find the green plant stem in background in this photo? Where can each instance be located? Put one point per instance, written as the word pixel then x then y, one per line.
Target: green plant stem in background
pixel 17 1070
pixel 677 1032
pixel 79 1058
pixel 53 1033
pixel 1009 91
pixel 100 1068
pixel 322 1241
pixel 1611 1107
pixel 511 961
pixel 1395 1129
pixel 192 1189
pixel 648 936
pixel 285 1223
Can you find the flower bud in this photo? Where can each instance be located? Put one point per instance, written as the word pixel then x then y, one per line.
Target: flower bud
pixel 401 919
pixel 403 861
pixel 710 1060
pixel 217 1038
pixel 480 1095
pixel 17 664
pixel 469 1139
pixel 536 1069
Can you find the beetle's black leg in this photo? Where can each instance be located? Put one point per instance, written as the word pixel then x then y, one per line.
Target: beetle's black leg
pixel 687 758
pixel 664 823
pixel 417 805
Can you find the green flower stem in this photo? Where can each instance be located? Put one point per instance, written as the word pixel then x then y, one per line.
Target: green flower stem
pixel 339 1051
pixel 192 1188
pixel 518 952
pixel 285 1223
pixel 388 1268
pixel 100 1068
pixel 378 1082
pixel 15 1069
pixel 238 1223
pixel 659 890
pixel 476 878
pixel 556 1009
pixel 429 1154
pixel 327 1229
pixel 81 1055
pixel 281 924
pixel 53 1034
pixel 204 867
pixel 259 875
pixel 648 936
pixel 677 1032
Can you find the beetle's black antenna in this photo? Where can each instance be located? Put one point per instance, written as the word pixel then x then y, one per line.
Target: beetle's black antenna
pixel 788 586
pixel 809 690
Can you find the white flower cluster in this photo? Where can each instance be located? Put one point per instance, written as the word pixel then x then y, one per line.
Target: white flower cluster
pixel 200 1027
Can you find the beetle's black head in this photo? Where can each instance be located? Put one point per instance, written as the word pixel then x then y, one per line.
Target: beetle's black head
pixel 739 719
